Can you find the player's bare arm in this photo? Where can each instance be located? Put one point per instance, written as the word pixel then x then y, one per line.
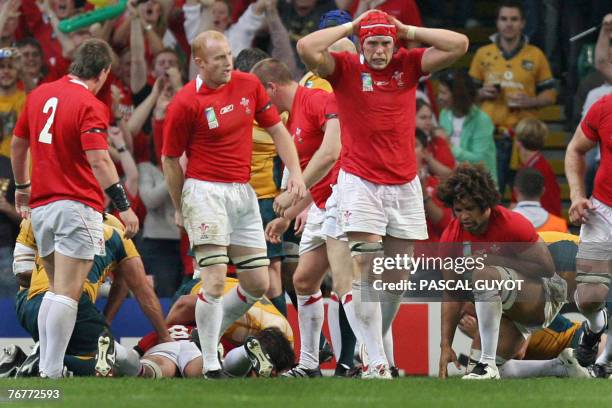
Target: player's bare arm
pixel 288 153
pixel 446 46
pixel 535 261
pixel 105 172
pixel 173 173
pixel 182 311
pixel 326 155
pixel 118 293
pixel 19 154
pixel 132 270
pixel 575 169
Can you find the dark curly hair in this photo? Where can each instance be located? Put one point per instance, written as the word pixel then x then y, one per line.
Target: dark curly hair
pixel 276 345
pixel 469 182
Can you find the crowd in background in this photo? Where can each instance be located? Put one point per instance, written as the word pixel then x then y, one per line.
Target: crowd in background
pixel 487 114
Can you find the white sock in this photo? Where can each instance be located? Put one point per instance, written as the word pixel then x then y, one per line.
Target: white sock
pixel 209 314
pixel 388 344
pixel 349 310
pixel 369 319
pixel 533 368
pixel 606 356
pixel 489 313
pixel 60 323
pixel 597 320
pixel 389 305
pixel 333 323
pixel 235 304
pixel 43 313
pixel 127 361
pixel 237 362
pixel 310 316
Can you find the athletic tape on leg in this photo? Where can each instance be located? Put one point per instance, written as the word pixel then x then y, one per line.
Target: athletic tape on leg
pixel 208 257
pixel 253 261
pixel 590 277
pixel 363 247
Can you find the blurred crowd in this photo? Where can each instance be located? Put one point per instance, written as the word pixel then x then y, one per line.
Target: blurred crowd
pixel 487 114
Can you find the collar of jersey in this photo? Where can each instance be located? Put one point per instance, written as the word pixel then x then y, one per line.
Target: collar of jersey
pixel 78 82
pixel 513 53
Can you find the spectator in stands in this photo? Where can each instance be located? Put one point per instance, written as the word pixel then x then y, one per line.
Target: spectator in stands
pixel 528 189
pixel 301 17
pixel 160 246
pixel 12 99
pixel 514 80
pixel 34 70
pixel 9 19
pixel 437 155
pixel 216 16
pixel 9 226
pixel 436 214
pixel 531 137
pixel 42 20
pixel 405 11
pixel 152 17
pixel 470 129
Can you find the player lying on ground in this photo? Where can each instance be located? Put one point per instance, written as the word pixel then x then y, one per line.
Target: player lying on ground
pixel 120 260
pixel 246 343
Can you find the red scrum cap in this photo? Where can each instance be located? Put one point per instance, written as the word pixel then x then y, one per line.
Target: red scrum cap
pixel 377 23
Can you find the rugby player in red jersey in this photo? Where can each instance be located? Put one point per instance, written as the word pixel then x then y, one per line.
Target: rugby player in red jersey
pixel 211 119
pixel 313 123
pixel 509 250
pixel 64 126
pixel 594 258
pixel 379 194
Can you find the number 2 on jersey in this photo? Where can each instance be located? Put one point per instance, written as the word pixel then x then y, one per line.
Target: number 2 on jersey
pixel 50 105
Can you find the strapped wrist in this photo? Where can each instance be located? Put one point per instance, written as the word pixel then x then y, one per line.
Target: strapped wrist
pixel 118 196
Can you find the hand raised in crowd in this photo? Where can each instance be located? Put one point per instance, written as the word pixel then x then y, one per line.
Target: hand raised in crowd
pixel 174 76
pixel 580 210
pixel 10 8
pixel 488 92
pixel 116 97
pixel 275 229
pixel 271 7
pixel 116 137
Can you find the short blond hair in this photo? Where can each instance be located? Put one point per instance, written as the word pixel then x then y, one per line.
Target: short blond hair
pixel 198 46
pixel 531 133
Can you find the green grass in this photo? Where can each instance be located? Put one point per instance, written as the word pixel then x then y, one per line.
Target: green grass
pixel 328 392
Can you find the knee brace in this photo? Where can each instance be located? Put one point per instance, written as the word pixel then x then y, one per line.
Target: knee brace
pixel 254 261
pixel 208 257
pixel 365 248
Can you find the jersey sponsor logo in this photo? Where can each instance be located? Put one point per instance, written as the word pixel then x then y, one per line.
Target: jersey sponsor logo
pixel 366 82
pixel 227 109
pixel 211 118
pixel 297 137
pixel 527 65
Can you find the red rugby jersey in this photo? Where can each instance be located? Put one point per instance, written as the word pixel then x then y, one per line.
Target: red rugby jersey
pixel 215 127
pixel 311 109
pixel 62 120
pixel 377 113
pixel 597 126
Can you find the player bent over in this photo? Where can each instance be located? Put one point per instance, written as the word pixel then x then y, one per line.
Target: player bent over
pixel 211 119
pixel 511 250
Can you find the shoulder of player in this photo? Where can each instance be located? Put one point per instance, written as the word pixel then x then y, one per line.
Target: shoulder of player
pixel 243 78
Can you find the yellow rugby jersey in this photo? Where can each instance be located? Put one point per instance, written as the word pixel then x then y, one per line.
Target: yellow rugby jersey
pixel 526 70
pixel 262 162
pixel 310 80
pixel 553 236
pixel 117 248
pixel 262 315
pixel 10 108
pixel 548 343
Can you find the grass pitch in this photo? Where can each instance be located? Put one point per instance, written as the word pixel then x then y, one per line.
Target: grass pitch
pixel 327 392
